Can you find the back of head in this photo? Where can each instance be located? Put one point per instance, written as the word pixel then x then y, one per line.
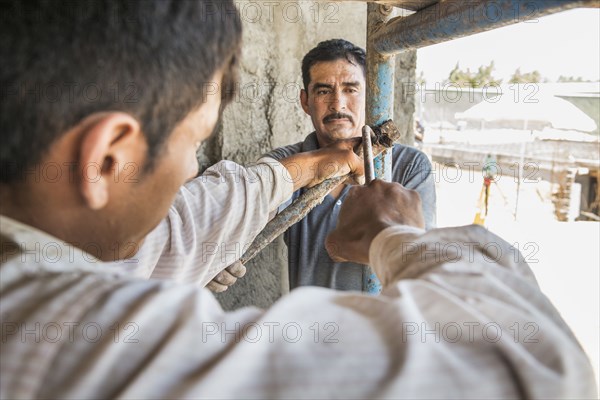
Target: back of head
pixel 64 60
pixel 332 50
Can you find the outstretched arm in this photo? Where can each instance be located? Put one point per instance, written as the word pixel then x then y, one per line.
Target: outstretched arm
pixel 216 215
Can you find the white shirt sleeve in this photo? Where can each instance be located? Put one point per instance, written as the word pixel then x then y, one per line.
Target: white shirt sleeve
pixel 462 318
pixel 212 221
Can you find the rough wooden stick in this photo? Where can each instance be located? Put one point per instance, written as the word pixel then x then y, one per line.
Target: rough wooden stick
pixel 385 136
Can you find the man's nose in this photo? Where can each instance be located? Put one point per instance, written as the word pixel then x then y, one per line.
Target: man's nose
pixel 338 101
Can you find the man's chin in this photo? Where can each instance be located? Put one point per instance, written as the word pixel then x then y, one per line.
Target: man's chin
pixel 333 136
pixel 343 133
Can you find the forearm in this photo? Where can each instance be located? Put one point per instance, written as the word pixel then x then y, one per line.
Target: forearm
pixel 471 280
pixel 309 168
pixel 217 215
pixel 405 252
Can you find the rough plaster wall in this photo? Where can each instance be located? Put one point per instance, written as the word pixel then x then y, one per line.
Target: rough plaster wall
pixel 267 113
pixel 404 99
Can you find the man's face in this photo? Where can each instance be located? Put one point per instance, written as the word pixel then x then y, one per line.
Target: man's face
pixel 335 100
pixel 109 211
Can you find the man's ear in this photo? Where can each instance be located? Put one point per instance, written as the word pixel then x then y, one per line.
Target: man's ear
pixel 110 143
pixel 304 100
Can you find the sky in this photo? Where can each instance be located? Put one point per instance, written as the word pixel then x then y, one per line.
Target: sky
pixel 567 43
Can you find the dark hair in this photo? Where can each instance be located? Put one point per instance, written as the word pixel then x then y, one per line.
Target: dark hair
pixel 331 50
pixel 64 60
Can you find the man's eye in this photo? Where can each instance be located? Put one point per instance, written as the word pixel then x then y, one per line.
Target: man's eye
pixel 322 92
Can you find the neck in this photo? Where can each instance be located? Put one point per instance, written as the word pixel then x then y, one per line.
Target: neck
pixel 322 141
pixel 52 214
pixel 15 203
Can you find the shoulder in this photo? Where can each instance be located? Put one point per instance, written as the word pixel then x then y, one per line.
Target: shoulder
pixel 403 154
pixel 285 151
pixel 410 165
pixel 309 143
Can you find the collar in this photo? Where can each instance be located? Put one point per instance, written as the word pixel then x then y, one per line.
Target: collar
pixel 310 142
pixel 34 250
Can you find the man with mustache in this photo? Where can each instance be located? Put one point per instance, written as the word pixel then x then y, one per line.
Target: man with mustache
pixel 333 74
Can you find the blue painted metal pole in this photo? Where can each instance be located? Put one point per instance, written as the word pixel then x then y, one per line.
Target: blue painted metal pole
pixel 380 105
pixel 452 19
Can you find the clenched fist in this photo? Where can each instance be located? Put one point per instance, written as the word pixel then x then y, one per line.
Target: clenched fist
pixel 367 210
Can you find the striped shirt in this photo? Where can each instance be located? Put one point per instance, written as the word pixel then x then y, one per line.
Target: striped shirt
pixel 462 318
pixel 213 219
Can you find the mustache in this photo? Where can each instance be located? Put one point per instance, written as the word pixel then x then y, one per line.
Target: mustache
pixel 338 115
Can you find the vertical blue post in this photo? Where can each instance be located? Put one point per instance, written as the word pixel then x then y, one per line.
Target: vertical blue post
pixel 380 105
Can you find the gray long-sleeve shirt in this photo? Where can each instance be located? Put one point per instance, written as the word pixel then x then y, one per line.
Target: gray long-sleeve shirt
pixel 308 261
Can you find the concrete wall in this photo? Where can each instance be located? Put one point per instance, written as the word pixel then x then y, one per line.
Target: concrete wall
pixel 267 113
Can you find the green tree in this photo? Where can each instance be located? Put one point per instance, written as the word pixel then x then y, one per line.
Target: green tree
pixel 485 77
pixel 527 77
pixel 467 78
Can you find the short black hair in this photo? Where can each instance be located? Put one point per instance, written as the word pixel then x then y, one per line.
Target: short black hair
pixel 331 50
pixel 63 60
